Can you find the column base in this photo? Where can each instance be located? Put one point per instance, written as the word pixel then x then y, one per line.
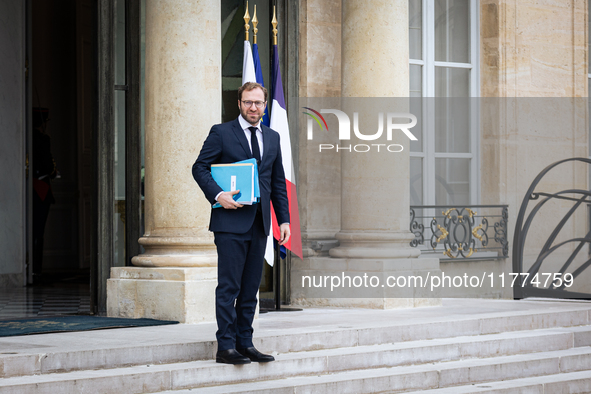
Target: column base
pixel 362 283
pixel 374 245
pixel 176 251
pixel 186 295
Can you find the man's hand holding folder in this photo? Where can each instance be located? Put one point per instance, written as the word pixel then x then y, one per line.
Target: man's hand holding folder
pixel 239 182
pixel 226 200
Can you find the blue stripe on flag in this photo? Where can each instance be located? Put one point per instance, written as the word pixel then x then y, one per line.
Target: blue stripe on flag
pixel 259 74
pixel 277 84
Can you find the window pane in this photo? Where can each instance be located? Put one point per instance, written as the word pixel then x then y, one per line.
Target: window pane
pixel 417 110
pixel 452 82
pixel 452 182
pixel 452 110
pixel 119 138
pixel 119 179
pixel 416 80
pixel 452 125
pixel 416 105
pixel 415 33
pixel 416 181
pixel 452 31
pixel 119 37
pixel 143 111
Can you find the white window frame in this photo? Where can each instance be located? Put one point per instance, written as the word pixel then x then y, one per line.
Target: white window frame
pixel 428 64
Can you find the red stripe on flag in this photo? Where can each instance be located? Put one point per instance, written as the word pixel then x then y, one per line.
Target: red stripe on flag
pixel 295 241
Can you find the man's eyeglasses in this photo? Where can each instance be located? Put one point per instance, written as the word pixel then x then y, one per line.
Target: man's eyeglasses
pixel 248 103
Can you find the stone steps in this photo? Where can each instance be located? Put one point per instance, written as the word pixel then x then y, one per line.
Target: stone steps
pixel 570 382
pixel 465 346
pixel 563 383
pixel 354 335
pixel 451 375
pixel 369 369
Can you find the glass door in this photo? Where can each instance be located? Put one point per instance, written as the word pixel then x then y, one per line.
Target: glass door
pixel 119 139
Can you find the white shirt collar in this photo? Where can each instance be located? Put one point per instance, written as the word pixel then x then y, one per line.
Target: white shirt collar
pixel 245 125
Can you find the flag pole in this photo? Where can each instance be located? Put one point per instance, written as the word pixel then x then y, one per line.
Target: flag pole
pixel 246 24
pixel 248 72
pixel 274 23
pixel 255 22
pixel 276 268
pixel 277 265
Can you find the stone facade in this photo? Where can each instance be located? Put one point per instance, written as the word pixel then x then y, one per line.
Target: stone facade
pixel 528 51
pixel 531 50
pixel 367 215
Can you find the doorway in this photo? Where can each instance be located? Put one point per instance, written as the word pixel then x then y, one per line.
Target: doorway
pixel 77 62
pixel 60 60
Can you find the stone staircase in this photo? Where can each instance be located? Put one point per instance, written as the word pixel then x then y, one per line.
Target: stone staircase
pixel 543 350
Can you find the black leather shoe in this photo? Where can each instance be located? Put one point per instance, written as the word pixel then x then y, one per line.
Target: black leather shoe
pixel 231 356
pixel 254 355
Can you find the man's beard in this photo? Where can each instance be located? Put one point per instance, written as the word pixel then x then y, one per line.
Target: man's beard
pixel 247 116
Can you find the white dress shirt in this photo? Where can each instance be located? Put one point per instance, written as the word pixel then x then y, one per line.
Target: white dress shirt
pixel 245 126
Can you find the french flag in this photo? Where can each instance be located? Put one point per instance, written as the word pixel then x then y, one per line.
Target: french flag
pixel 259 77
pixel 248 73
pixel 279 124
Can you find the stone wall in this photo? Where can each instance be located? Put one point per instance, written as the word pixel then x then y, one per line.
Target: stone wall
pixel 533 49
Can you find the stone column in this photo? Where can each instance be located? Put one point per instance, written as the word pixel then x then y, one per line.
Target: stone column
pixel 176 276
pixel 375 187
pixel 319 65
pixel 374 237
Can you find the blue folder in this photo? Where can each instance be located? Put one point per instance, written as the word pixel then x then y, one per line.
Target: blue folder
pixel 243 176
pixel 257 192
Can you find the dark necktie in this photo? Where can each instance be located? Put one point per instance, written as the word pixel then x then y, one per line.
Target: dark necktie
pixel 256 151
pixel 254 142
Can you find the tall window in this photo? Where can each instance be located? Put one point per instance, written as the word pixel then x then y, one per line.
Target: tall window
pixel 444 44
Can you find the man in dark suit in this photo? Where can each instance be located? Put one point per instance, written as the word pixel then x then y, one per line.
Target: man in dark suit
pixel 241 231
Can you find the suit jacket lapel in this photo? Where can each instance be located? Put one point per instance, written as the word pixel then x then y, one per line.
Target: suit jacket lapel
pixel 242 138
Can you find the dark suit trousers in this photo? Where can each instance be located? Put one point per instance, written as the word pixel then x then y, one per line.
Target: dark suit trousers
pixel 240 266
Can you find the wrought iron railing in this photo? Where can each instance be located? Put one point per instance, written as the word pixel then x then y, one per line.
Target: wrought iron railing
pixel 552 262
pixel 473 232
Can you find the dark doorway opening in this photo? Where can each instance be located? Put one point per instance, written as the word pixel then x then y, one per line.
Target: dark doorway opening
pixel 61 64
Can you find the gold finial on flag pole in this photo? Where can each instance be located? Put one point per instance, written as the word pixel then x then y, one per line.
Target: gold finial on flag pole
pixel 255 22
pixel 274 23
pixel 246 25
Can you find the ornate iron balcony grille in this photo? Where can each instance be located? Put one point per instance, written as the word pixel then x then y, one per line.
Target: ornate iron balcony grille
pixel 559 257
pixel 475 232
